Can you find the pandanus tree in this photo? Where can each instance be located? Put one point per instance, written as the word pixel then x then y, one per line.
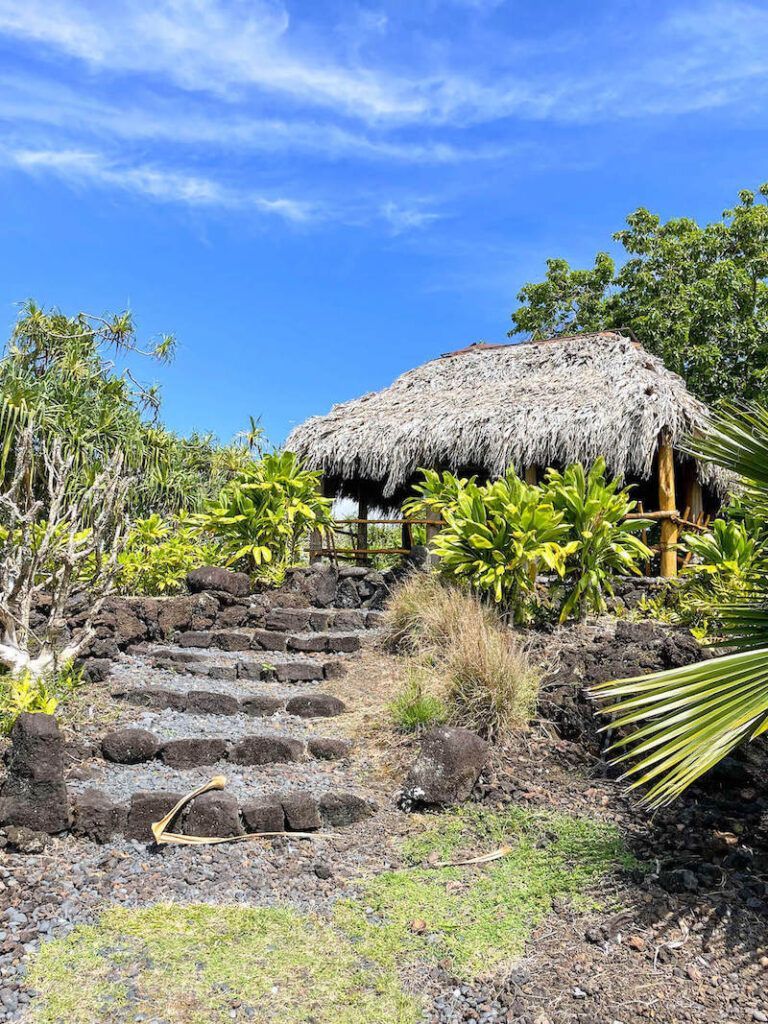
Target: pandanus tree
pixel 676 725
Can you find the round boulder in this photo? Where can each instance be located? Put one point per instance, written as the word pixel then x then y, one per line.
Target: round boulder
pixel 130 746
pixel 214 577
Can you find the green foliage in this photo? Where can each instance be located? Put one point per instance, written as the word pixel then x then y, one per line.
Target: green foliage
pixel 159 553
pixel 263 514
pixel 500 536
pixel 415 707
pixel 601 542
pixel 34 694
pixel 189 964
pixel 485 918
pixel 497 538
pixel 685 721
pixel 61 372
pixel 468 661
pixel 435 493
pixel 695 296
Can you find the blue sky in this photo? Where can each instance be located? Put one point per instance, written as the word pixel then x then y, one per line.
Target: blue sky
pixel 316 196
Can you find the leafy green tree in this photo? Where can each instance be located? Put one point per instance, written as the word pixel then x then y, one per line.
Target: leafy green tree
pixel 71 376
pixel 695 296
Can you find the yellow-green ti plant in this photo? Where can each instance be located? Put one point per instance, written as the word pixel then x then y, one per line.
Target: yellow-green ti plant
pixel 160 552
pixel 686 720
pixel 26 693
pixel 262 516
pixel 498 537
pixel 601 542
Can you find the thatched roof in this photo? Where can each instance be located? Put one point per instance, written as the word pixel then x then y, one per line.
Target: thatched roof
pixel 487 407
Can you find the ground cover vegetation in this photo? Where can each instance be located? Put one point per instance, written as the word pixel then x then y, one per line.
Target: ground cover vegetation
pixel 465 667
pixel 696 295
pixel 192 963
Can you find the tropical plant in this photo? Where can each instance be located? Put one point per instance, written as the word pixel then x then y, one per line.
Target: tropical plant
pixel 435 493
pixel 34 694
pixel 498 537
pixel 160 552
pixel 61 372
pixel 685 721
pixel 263 514
pixel 601 541
pixel 697 296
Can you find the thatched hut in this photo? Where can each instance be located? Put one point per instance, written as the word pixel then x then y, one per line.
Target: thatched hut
pixel 530 405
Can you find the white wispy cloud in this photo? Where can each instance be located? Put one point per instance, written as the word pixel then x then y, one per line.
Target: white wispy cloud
pixel 407 217
pixel 696 55
pixel 83 167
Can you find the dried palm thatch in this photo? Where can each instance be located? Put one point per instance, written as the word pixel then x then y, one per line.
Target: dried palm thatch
pixel 487 407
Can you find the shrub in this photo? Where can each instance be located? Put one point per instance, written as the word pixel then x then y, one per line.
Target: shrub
pixel 424 614
pixel 160 552
pixel 601 542
pixel 492 685
pixel 415 707
pixel 470 661
pixel 498 538
pixel 34 694
pixel 261 517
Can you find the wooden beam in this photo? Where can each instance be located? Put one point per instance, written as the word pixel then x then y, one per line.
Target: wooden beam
pixel 433 528
pixel 531 475
pixel 665 462
pixel 694 496
pixel 362 528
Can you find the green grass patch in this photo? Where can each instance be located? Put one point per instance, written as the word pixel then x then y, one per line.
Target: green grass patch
pixel 187 964
pixel 478 917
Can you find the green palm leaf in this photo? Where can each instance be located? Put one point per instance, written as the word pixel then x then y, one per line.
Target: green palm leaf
pixel 686 720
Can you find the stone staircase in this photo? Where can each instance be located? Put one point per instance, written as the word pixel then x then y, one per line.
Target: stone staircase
pixel 244 701
pixel 222 682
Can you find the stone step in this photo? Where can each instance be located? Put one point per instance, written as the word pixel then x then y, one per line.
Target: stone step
pixel 214 702
pixel 299 620
pixel 99 814
pixel 239 640
pixel 284 668
pixel 133 745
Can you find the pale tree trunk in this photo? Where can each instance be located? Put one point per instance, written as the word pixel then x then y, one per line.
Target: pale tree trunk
pixel 51 549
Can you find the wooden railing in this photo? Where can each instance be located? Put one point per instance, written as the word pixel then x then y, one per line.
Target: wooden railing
pixel 324 546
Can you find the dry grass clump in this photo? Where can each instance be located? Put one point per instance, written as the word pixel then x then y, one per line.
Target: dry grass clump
pixel 465 660
pixel 424 614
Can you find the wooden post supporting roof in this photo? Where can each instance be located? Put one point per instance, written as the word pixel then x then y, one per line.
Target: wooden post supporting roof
pixel 531 475
pixel 362 530
pixel 665 461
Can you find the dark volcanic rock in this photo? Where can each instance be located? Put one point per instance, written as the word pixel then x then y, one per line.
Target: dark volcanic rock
pixel 145 809
pixel 266 750
pixel 130 746
pixel 213 814
pixel 37 748
pixel 288 620
pixel 328 748
pixel 264 816
pixel 193 752
pixel 209 702
pixel 261 706
pixel 26 840
pixel 154 697
pixel 339 809
pixel 212 577
pixel 42 806
pixel 95 670
pixel 447 768
pixel 301 812
pixel 97 816
pixel 316 705
pixel 582 655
